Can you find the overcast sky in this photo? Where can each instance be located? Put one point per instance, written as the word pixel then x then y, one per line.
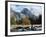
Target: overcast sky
pixel 36 10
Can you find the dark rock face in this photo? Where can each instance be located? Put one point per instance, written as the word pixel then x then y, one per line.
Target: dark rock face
pixel 27 12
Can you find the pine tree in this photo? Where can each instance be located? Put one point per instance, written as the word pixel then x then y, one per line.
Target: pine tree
pixel 12 20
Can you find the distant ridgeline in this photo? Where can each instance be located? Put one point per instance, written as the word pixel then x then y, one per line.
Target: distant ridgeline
pixel 25 17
